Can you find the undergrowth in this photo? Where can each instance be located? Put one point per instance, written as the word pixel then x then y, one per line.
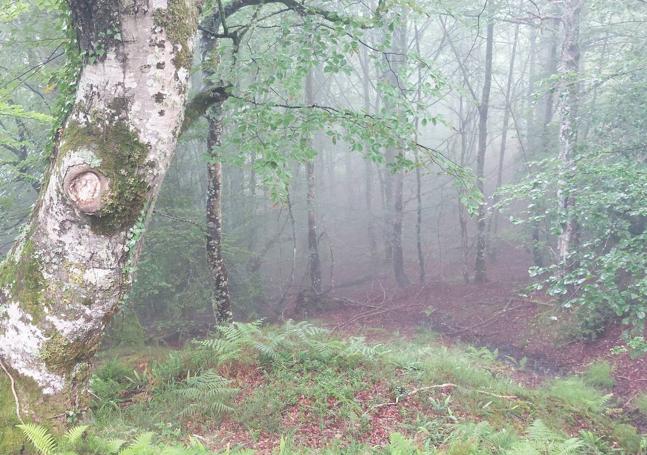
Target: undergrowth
pixel 299 389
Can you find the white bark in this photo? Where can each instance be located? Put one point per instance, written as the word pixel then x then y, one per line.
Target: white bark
pixel 113 153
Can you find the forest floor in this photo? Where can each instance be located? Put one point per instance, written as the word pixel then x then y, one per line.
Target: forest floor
pixel 528 332
pixel 295 389
pixel 441 368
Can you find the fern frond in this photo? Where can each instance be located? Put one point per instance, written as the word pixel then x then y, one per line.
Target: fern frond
pixel 40 437
pixel 206 393
pixel 569 447
pixel 538 431
pixel 113 445
pixel 74 434
pixel 142 442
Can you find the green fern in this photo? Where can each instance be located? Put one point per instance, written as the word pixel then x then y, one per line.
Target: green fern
pixel 142 445
pixel 206 394
pixel 40 437
pixel 543 440
pixel 74 434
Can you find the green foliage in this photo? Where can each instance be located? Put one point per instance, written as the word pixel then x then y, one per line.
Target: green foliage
pixel 599 374
pixel 111 383
pixel 607 270
pixel 399 445
pixel 574 392
pixel 628 438
pixel 70 443
pixel 206 394
pixel 40 437
pixel 295 343
pixel 46 444
pixel 544 440
pixel 457 400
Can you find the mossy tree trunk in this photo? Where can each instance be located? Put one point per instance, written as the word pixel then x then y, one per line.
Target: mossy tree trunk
pixel 65 278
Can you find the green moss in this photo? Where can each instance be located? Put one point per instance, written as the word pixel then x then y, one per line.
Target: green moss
pixel 34 407
pixel 122 157
pixel 64 356
pixel 179 21
pixel 11 439
pixel 25 281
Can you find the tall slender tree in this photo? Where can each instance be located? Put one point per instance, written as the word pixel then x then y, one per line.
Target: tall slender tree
pixel 484 105
pixel 568 108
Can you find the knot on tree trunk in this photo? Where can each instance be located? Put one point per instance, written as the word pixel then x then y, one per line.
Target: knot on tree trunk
pixel 86 187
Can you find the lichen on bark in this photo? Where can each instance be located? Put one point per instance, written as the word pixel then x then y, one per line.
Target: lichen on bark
pixel 23 279
pixel 179 22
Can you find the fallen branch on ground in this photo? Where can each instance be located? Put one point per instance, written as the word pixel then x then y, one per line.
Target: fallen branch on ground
pixel 438 386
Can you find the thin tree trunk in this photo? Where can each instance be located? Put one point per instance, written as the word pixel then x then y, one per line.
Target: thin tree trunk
pixel 395 183
pixel 568 97
pixel 462 215
pixel 64 280
pixel 539 139
pixel 311 201
pixel 313 240
pixel 398 254
pixel 531 141
pixel 368 166
pixel 504 132
pixel 421 257
pixel 480 266
pixel 221 300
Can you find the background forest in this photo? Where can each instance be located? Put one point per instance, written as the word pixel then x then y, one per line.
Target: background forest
pixel 417 174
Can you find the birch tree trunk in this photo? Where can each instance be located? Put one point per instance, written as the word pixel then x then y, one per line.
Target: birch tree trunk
pixel 65 278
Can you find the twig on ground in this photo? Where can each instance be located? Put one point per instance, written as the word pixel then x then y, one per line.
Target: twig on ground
pixel 13 390
pixel 438 386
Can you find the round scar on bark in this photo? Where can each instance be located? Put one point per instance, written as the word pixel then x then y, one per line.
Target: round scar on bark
pixel 85 188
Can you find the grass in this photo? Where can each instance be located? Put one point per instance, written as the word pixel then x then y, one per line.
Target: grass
pixel 600 375
pixel 298 389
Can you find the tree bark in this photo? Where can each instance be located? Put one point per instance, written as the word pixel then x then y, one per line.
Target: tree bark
pixel 368 166
pixel 394 183
pixel 221 299
pixel 569 99
pixel 462 213
pixel 64 280
pixel 480 266
pixel 504 131
pixel 540 138
pixel 311 201
pixel 421 257
pixel 221 303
